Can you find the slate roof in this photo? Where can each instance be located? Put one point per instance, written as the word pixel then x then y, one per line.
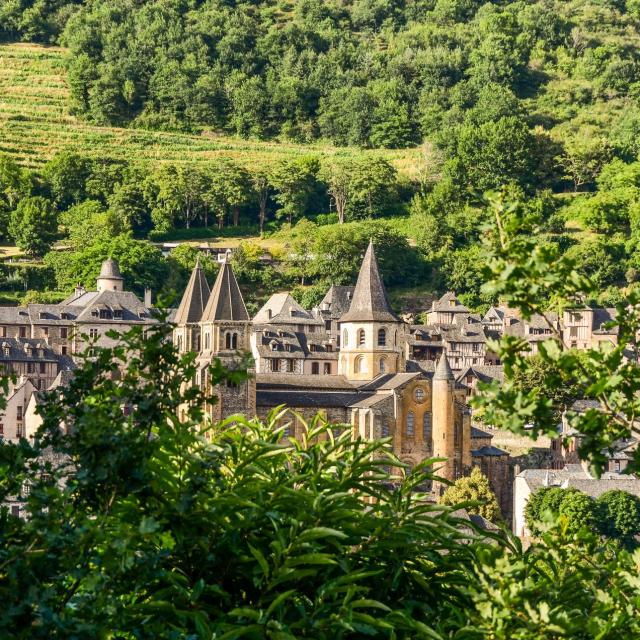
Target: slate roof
pixel 14 315
pixel 483 372
pixel 601 317
pixel 389 381
pixel 132 308
pixel 225 301
pixel 443 370
pixel 194 299
pixel 316 399
pixel 444 304
pixel 285 309
pixel 110 269
pixel 488 451
pixel 369 302
pixel 304 382
pixel 27 350
pixel 338 298
pixel 292 344
pixel 575 476
pixel 479 433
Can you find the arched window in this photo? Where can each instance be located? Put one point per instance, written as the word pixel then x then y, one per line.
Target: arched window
pixel 345 338
pixel 382 337
pixel 360 337
pixel 426 427
pixel 395 337
pixel 383 365
pixel 234 341
pixel 227 340
pixel 179 343
pixel 207 341
pixel 385 429
pixel 411 424
pixel 359 365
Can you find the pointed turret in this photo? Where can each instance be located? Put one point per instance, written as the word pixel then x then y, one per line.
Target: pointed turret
pixel 195 297
pixel 369 302
pixel 226 301
pixel 443 370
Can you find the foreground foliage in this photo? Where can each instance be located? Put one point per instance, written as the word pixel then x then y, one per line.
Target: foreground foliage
pixel 143 526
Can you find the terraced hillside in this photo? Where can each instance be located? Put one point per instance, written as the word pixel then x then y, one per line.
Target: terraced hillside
pixel 35 124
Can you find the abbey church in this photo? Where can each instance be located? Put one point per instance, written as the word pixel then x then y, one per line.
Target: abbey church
pixel 347 360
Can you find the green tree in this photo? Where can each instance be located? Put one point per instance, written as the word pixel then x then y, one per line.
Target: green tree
pixel 141 264
pixel 66 176
pixel 619 515
pixel 87 221
pixel 15 183
pixel 155 526
pixel 230 188
pixel 295 183
pixel 34 225
pixel 179 196
pixel 474 493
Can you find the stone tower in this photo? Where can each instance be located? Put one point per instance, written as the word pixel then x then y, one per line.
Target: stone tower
pixel 225 336
pixel 186 335
pixel 443 423
pixel 371 334
pixel 110 278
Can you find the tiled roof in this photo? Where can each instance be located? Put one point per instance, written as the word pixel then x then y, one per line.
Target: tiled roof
pixel 110 269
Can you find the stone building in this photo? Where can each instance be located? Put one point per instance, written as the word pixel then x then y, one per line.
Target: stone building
pixel 286 338
pixel 86 316
pixel 368 383
pixel 216 325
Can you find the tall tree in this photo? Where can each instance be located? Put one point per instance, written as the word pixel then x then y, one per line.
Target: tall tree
pixel 34 225
pixel 294 181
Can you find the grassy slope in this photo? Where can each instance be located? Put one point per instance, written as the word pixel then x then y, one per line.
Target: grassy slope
pixel 35 124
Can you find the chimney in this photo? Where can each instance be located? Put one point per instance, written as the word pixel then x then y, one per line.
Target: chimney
pixel 79 291
pixel 147 298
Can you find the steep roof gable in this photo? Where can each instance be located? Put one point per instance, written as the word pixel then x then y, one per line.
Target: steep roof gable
pixel 226 301
pixel 195 297
pixel 369 302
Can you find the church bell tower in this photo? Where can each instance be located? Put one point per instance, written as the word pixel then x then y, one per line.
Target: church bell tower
pixel 371 334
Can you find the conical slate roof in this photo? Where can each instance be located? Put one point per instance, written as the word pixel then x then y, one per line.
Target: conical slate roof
pixel 226 301
pixel 443 370
pixel 194 299
pixel 110 269
pixel 369 302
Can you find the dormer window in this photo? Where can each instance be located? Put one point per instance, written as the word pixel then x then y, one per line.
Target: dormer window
pixel 313 347
pixel 64 316
pixel 95 313
pixel 117 314
pixel 452 303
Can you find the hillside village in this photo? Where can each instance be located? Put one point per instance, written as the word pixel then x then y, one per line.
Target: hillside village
pixel 352 359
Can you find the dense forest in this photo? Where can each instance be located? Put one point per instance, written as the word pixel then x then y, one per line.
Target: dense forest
pixel 538 98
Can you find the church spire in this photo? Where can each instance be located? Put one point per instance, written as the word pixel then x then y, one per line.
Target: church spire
pixel 194 298
pixel 226 301
pixel 443 370
pixel 370 302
